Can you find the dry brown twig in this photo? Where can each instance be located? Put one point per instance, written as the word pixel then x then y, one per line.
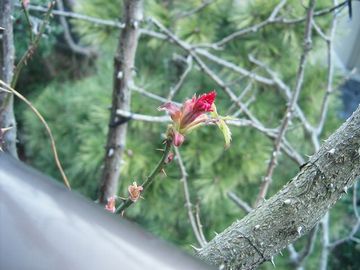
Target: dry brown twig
pixel 48 130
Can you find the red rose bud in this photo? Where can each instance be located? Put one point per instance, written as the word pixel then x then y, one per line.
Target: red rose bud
pixel 189 116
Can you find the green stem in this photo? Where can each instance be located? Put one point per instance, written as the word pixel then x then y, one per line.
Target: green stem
pixel 150 178
pixel 27 17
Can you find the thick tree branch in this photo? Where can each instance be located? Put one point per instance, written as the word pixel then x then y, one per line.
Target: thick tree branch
pixel 295 209
pixel 7 118
pixel 123 68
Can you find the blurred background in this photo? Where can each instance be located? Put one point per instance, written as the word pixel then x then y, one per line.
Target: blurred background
pixel 70 79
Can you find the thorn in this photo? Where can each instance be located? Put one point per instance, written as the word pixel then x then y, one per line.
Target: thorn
pixel 159 149
pixel 6 129
pixel 122 213
pixel 272 261
pixel 299 229
pixel 196 248
pixel 121 198
pixel 287 201
pixel 163 171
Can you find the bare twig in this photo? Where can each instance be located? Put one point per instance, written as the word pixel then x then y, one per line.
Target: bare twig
pixel 234 68
pixel 290 109
pixel 52 140
pixel 142 117
pixel 78 16
pixel 309 247
pixel 329 89
pixel 148 94
pixel 239 202
pixel 356 227
pixel 185 14
pixel 325 242
pixel 354 201
pixel 285 91
pixel 86 51
pixel 188 204
pixel 182 78
pixel 253 28
pixel 272 19
pixel 241 96
pixel 198 223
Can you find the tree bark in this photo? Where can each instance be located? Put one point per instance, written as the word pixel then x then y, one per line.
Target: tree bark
pixel 296 208
pixel 123 68
pixel 7 118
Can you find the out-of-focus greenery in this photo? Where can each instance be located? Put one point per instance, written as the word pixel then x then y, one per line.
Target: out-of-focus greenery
pixel 78 112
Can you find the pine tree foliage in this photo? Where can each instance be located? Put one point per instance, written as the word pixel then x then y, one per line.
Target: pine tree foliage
pixel 77 111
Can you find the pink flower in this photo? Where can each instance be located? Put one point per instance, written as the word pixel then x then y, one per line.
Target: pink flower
pixel 190 116
pixel 134 191
pixel 110 206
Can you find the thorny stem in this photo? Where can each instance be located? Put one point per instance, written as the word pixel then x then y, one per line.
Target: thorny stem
pixel 27 17
pixel 33 45
pixel 150 178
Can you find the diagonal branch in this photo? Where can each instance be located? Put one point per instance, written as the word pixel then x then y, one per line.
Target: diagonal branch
pixel 188 204
pixel 291 107
pixel 182 78
pixel 296 208
pixel 204 4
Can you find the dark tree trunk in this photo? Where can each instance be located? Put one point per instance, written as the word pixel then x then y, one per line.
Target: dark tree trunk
pixel 123 68
pixel 7 118
pixel 296 208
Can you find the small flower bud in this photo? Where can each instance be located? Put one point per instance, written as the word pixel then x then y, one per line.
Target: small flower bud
pixel 110 206
pixel 134 191
pixel 178 139
pixel 169 158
